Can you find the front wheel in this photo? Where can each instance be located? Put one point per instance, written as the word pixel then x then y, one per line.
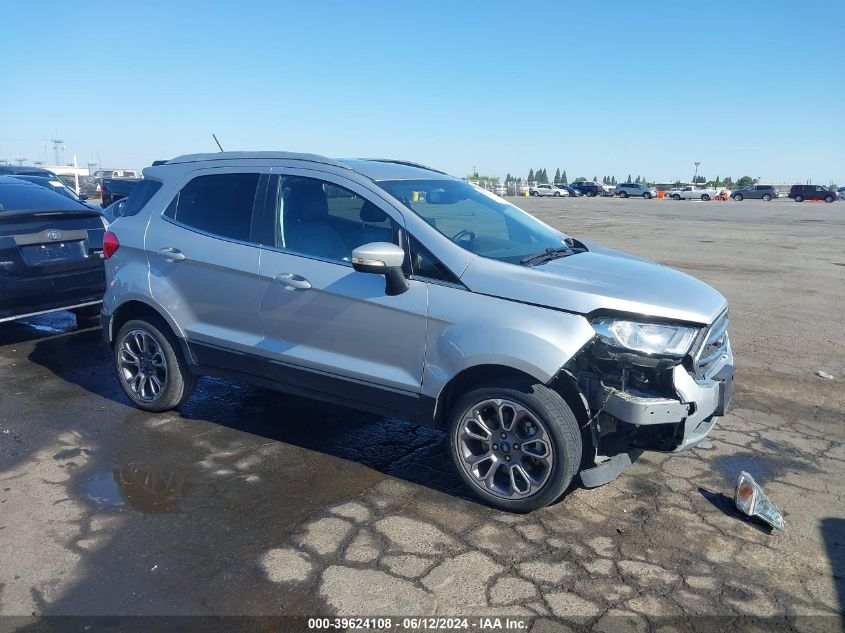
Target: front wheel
pixel 799 198
pixel 647 196
pixel 828 199
pixel 557 194
pixel 705 197
pixel 623 194
pixel 767 198
pixel 536 194
pixel 517 446
pixel 150 366
pixel 738 197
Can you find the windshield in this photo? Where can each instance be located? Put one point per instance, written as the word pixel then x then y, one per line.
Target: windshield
pixel 474 219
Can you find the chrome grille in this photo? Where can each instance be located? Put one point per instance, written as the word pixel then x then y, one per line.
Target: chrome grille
pixel 713 345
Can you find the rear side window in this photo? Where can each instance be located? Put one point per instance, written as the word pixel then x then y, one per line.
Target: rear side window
pixel 139 196
pixel 220 204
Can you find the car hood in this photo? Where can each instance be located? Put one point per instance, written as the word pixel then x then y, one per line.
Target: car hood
pixel 600 280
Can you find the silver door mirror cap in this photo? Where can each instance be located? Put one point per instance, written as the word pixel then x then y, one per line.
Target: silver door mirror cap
pixel 377 257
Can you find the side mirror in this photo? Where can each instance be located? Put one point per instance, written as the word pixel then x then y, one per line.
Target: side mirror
pixel 382 258
pixel 83 197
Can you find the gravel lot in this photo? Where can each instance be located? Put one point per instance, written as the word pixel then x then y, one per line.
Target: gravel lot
pixel 251 502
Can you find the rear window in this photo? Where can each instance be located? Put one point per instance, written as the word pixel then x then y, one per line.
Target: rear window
pixel 140 196
pixel 29 197
pixel 220 204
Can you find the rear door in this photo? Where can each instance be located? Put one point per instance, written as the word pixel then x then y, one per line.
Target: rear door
pixel 328 328
pixel 204 262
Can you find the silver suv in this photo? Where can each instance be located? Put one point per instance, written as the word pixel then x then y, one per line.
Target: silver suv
pixel 392 287
pixel 625 189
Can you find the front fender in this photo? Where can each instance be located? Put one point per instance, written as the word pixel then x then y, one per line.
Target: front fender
pixel 467 329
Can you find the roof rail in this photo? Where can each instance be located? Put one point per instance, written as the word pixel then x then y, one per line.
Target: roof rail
pixel 406 163
pixel 312 158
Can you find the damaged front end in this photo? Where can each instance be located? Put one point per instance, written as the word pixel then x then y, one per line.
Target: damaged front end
pixel 651 386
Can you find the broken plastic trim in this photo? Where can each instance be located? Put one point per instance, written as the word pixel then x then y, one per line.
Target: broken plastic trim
pixel 751 500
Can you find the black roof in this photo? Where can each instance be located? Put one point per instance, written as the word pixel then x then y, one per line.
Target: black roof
pixel 25 170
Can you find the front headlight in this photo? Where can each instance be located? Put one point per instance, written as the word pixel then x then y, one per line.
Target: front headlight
pixel 648 338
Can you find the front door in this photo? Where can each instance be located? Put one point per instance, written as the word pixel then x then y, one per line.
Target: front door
pixel 329 329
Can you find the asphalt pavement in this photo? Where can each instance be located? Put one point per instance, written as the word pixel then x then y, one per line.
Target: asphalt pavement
pixel 250 502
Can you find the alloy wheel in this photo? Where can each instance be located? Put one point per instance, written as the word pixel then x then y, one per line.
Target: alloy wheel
pixel 504 448
pixel 142 366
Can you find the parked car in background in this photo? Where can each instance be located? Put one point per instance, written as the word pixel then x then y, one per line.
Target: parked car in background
pixel 54 184
pixel 572 191
pixel 589 189
pixel 841 193
pixel 112 189
pixel 626 189
pixel 692 193
pixel 89 187
pixel 24 170
pixel 500 190
pixel 507 333
pixel 755 192
pixel 547 190
pixel 50 253
pixel 799 193
pixel 117 173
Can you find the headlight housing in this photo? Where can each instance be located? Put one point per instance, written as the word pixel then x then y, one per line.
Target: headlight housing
pixel 656 339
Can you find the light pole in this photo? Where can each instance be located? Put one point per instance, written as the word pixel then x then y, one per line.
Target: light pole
pixel 695 177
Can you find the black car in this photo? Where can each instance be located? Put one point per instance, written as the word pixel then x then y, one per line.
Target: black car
pixel 50 253
pixel 113 189
pixel 22 170
pixel 54 184
pixel 799 193
pixel 589 189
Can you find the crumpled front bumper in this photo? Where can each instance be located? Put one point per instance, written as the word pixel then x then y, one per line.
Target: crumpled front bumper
pixel 700 403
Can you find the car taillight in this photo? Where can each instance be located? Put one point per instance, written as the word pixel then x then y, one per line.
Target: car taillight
pixel 110 244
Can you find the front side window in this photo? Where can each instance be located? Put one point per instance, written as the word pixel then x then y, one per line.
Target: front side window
pixel 220 204
pixel 319 218
pixel 475 219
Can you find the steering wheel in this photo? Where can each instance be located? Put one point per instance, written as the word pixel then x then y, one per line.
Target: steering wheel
pixel 464 233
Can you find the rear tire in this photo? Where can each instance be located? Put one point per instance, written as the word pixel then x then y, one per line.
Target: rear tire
pixel 536 194
pixel 150 366
pixel 514 412
pixel 767 198
pixel 623 194
pixel 676 196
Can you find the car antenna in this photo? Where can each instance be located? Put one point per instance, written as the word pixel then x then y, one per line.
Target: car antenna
pixel 218 142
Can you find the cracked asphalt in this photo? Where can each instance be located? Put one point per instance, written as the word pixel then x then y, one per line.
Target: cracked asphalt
pixel 250 502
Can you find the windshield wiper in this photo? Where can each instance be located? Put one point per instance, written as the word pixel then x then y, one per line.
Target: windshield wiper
pixel 546 255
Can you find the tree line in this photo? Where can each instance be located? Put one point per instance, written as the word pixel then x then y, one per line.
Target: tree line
pixel 540 176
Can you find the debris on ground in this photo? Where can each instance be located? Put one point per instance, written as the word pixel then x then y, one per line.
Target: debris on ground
pixel 823 374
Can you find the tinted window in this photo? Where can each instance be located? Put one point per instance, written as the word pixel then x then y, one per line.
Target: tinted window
pixel 318 218
pixel 220 204
pixel 138 197
pixel 424 264
pixel 26 196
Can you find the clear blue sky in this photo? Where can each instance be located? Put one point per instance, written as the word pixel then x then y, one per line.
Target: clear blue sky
pixel 596 88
